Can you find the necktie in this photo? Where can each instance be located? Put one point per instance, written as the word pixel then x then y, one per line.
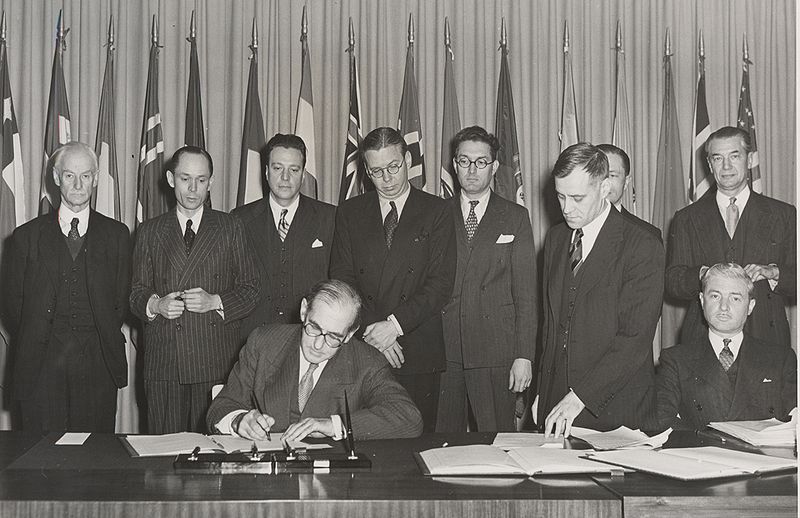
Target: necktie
pixel 283 226
pixel 306 386
pixel 576 251
pixel 188 236
pixel 390 224
pixel 73 229
pixel 471 224
pixel 731 217
pixel 725 355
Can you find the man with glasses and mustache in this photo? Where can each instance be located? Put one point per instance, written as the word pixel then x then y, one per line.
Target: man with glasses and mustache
pixel 292 378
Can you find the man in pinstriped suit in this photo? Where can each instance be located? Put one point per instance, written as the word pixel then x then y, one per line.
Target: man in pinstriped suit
pixel 193 281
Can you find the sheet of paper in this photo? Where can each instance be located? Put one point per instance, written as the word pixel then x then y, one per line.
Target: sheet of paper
pixel 511 440
pixel 622 437
pixel 476 459
pixel 547 461
pixel 232 444
pixel 73 438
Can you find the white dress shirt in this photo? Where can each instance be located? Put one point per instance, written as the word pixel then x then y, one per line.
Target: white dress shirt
pixel 65 216
pixel 717 345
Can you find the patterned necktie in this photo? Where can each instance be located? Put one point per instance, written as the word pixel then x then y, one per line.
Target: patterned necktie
pixel 283 226
pixel 188 236
pixel 306 386
pixel 73 229
pixel 576 251
pixel 390 224
pixel 471 223
pixel 725 355
pixel 731 217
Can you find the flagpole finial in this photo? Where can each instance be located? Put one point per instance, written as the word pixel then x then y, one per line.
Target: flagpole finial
pixel 503 33
pixel 110 41
pixel 254 35
pixel 3 28
pixel 192 28
pixel 154 31
pixel 351 35
pixel 304 24
pixel 745 50
pixel 566 37
pixel 410 28
pixel 60 32
pixel 446 32
pixel 618 44
pixel 701 46
pixel 667 44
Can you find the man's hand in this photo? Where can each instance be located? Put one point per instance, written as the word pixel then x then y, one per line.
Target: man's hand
pixel 253 425
pixel 381 335
pixel 760 272
pixel 309 427
pixel 197 300
pixel 560 418
pixel 168 306
pixel 520 375
pixel 394 355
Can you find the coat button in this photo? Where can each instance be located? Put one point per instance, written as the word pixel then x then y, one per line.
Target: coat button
pixel 403 298
pixel 771 410
pixel 178 327
pixel 699 407
pixel 410 269
pixel 369 297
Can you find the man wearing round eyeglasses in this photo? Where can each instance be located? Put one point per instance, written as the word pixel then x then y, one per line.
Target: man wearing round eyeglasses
pixel 292 378
pixel 65 294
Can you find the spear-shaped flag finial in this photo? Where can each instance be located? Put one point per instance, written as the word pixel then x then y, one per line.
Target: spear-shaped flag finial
pixel 3 28
pixel 701 46
pixel 351 36
pixel 61 33
pixel 304 25
pixel 192 29
pixel 566 37
pixel 154 31
pixel 411 29
pixel 745 49
pixel 667 44
pixel 446 32
pixel 618 44
pixel 110 41
pixel 254 36
pixel 503 34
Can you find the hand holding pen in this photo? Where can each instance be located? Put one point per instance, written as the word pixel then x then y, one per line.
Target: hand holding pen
pixel 254 424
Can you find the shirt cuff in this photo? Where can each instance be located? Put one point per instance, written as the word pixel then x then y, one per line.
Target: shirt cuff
pixel 391 318
pixel 150 314
pixel 225 425
pixel 220 310
pixel 338 430
pixel 772 284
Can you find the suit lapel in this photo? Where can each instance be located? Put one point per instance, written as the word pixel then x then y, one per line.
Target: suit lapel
pixel 491 221
pixel 604 252
pixel 707 368
pixel 264 228
pixel 171 240
pixel 751 367
pixel 51 235
pixel 558 265
pixel 713 244
pixel 204 243
pixel 755 224
pixel 337 376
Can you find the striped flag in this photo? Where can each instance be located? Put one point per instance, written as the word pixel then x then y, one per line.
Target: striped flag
pixel 105 198
pixel 508 179
pixel 304 122
pixel 354 180
pixel 408 121
pixel 700 178
pixel 57 125
pixel 451 121
pixel 253 139
pixel 746 121
pixel 194 133
pixel 568 134
pixel 151 194
pixel 621 135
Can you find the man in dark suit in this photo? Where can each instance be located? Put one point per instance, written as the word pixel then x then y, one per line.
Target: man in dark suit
pixel 193 282
pixel 396 246
pixel 490 320
pixel 65 298
pixel 603 283
pixel 291 235
pixel 729 375
pixel 733 224
pixel 322 354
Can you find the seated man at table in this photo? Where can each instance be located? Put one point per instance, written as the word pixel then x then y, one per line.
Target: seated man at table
pixel 729 376
pixel 295 375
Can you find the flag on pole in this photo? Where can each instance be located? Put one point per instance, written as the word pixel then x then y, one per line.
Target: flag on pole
pixel 408 123
pixel 12 191
pixel 194 133
pixel 508 179
pixel 151 194
pixel 304 122
pixel 105 198
pixel 57 125
pixel 746 120
pixel 451 121
pixel 621 135
pixel 253 140
pixel 700 178
pixel 568 135
pixel 354 181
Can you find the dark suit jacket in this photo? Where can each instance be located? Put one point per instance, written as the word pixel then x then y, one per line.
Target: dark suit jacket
pixel 490 320
pixel 195 347
pixel 610 348
pixel 691 382
pixel 639 221
pixel 269 367
pixel 698 237
pixel 413 281
pixel 33 282
pixel 308 252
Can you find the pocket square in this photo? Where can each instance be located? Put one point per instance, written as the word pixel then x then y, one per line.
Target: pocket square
pixel 766 380
pixel 316 244
pixel 505 238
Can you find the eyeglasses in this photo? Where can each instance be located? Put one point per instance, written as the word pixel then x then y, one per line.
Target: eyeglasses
pixel 378 172
pixel 479 163
pixel 313 330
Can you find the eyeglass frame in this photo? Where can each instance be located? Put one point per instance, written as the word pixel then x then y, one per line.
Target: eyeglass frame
pixel 384 170
pixel 487 161
pixel 323 334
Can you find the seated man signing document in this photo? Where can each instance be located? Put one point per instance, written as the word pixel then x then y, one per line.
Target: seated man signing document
pixel 293 378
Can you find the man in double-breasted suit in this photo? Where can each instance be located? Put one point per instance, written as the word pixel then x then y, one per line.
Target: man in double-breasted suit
pixel 490 320
pixel 396 246
pixel 291 236
pixel 193 282
pixel 729 375
pixel 65 296
pixel 731 223
pixel 603 289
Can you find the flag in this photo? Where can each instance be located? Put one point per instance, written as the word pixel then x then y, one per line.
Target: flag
pixel 408 121
pixel 194 133
pixel 105 198
pixel 746 121
pixel 151 194
pixel 253 140
pixel 304 122
pixel 508 179
pixel 700 178
pixel 621 135
pixel 568 134
pixel 451 121
pixel 354 180
pixel 57 125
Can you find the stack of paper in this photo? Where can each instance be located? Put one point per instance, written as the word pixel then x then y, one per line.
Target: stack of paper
pixel 185 442
pixel 622 437
pixel 769 432
pixel 512 440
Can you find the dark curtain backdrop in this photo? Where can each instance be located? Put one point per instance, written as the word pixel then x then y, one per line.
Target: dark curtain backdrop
pixel 535 31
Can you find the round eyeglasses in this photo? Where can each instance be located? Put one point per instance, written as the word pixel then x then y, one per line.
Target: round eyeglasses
pixel 313 330
pixel 479 163
pixel 379 172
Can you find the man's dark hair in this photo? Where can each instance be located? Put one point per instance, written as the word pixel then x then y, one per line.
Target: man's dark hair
pixel 289 142
pixel 380 138
pixel 334 291
pixel 190 150
pixel 611 149
pixel 730 132
pixel 475 134
pixel 582 155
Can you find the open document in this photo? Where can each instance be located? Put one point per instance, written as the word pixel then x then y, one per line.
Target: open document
pixel 622 437
pixel 185 442
pixel 769 432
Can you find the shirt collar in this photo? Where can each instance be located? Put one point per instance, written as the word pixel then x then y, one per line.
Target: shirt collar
pixel 480 208
pixel 399 202
pixel 196 219
pixel 65 216
pixel 718 345
pixel 277 209
pixel 724 200
pixel 592 229
pixel 304 367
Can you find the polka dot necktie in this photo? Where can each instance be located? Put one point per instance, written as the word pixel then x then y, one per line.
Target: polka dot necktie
pixel 471 223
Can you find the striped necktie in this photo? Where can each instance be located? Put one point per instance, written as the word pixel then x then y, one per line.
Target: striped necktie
pixel 283 226
pixel 390 224
pixel 726 355
pixel 576 251
pixel 731 217
pixel 306 386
